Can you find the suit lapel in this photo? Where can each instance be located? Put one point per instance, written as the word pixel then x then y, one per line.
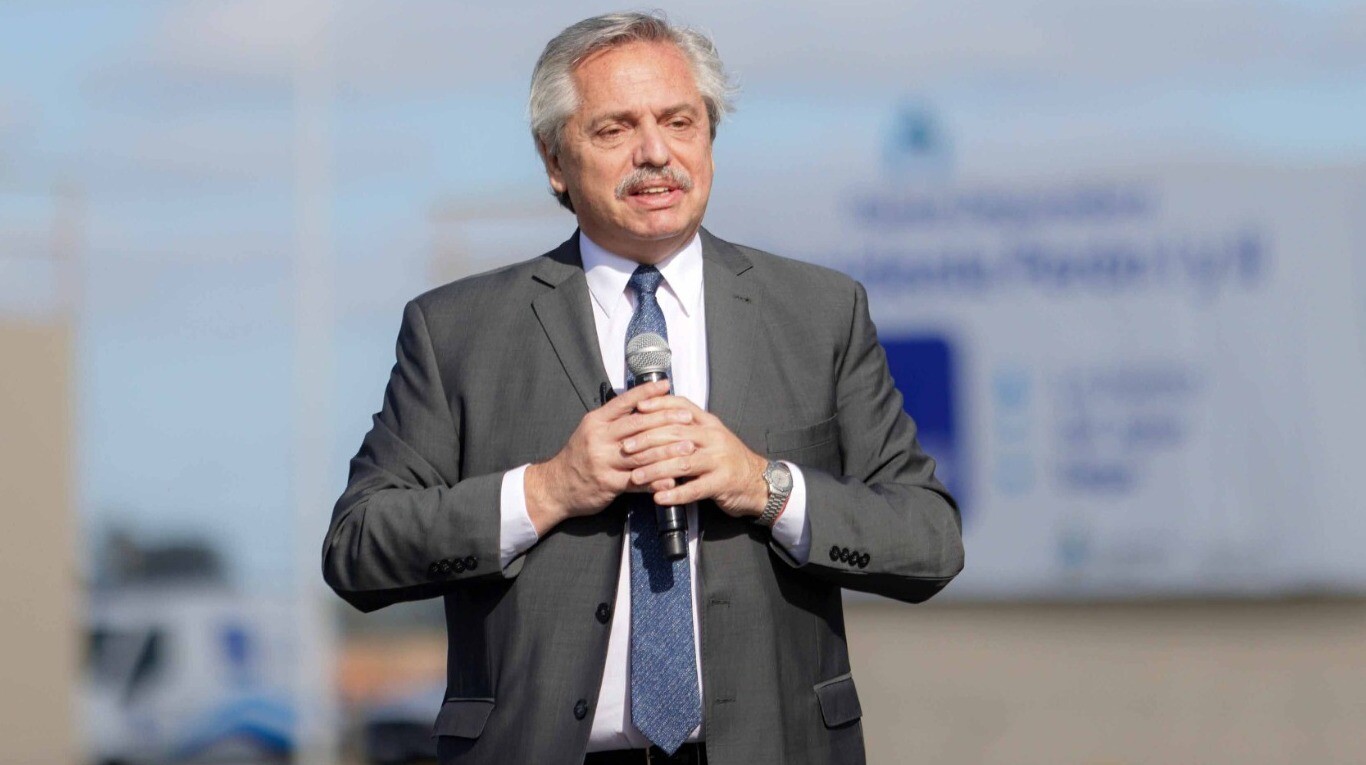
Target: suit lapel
pixel 565 314
pixel 732 328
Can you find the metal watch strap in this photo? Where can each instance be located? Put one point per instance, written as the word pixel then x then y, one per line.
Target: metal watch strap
pixel 777 498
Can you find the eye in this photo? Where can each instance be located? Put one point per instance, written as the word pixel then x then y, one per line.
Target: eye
pixel 611 131
pixel 680 123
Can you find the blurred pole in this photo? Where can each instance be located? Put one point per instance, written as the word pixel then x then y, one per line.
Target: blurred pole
pixel 315 689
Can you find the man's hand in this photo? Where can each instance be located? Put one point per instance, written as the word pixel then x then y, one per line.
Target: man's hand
pixel 592 468
pixel 717 463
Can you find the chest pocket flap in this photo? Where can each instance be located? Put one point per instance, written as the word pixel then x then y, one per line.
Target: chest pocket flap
pixel 817 445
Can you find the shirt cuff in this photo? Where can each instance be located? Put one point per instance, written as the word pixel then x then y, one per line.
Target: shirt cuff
pixel 516 533
pixel 792 530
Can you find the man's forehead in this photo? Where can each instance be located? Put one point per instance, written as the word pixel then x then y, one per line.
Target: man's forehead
pixel 652 49
pixel 636 70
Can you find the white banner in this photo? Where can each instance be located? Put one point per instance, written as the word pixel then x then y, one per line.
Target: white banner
pixel 1136 386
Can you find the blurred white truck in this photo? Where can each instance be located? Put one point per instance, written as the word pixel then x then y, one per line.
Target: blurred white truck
pixel 179 674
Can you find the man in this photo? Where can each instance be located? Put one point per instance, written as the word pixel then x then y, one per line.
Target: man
pixel 502 474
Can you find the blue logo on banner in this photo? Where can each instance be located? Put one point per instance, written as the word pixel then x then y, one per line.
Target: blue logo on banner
pixel 925 372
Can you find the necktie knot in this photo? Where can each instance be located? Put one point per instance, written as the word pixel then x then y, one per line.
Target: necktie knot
pixel 646 280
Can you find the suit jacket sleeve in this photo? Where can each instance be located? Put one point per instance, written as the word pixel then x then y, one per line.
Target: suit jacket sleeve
pixel 408 523
pixel 887 508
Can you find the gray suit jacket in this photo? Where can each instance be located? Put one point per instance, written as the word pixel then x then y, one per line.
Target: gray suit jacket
pixel 496 370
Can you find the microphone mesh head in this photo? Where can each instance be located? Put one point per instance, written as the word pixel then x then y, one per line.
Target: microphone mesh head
pixel 646 353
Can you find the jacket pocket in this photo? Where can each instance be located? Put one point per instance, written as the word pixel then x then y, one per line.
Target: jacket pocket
pixel 463 718
pixel 838 701
pixel 815 445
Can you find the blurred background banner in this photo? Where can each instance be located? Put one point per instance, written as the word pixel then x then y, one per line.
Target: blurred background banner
pixel 1116 254
pixel 1139 383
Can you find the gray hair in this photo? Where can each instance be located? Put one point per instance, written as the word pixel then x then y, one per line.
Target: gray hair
pixel 553 97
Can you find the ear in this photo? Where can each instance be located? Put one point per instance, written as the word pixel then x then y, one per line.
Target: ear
pixel 553 171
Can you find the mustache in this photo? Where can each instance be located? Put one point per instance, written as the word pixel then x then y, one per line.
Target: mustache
pixel 644 176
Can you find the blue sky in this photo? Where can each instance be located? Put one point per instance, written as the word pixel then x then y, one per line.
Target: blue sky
pixel 175 124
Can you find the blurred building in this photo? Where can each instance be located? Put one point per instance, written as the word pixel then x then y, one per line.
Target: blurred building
pixel 39 566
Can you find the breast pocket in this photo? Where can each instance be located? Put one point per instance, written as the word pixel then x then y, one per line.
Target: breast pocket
pixel 816 445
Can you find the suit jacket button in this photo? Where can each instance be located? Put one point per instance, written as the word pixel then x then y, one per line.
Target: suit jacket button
pixel 444 567
pixel 863 560
pixel 835 553
pixel 604 613
pixel 580 709
pixel 434 571
pixel 844 555
pixel 854 557
pixel 471 563
pixel 458 565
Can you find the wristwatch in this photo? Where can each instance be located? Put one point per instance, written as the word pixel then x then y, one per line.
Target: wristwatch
pixel 779 480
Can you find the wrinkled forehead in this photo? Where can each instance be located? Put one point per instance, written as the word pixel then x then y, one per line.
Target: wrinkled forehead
pixel 637 77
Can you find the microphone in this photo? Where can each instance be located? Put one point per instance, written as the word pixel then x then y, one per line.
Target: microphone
pixel 648 357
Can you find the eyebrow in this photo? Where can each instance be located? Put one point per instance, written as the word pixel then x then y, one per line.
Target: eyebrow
pixel 680 108
pixel 626 116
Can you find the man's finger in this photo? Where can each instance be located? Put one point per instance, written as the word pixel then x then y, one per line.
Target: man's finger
pixel 627 402
pixel 663 484
pixel 674 448
pixel 667 433
pixel 625 427
pixel 669 402
pixel 688 491
pixel 685 466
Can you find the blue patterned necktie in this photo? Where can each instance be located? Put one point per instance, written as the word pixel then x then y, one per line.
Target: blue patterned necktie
pixel 665 702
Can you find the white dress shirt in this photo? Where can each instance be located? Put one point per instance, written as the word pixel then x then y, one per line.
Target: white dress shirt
pixel 681 301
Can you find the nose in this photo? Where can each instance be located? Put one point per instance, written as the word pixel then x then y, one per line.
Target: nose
pixel 653 149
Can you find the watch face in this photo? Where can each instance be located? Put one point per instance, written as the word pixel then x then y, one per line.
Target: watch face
pixel 779 477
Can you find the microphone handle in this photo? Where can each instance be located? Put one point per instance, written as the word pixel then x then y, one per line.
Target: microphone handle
pixel 673 531
pixel 673 521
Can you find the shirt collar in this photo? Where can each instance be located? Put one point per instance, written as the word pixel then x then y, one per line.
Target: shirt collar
pixel 608 274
